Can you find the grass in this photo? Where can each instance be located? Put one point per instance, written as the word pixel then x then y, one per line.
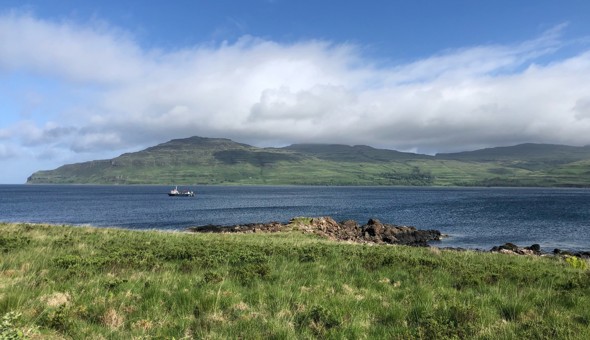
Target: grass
pixel 80 282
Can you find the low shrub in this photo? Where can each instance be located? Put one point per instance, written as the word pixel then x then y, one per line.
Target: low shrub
pixel 576 262
pixel 8 329
pixel 56 318
pixel 10 243
pixel 319 319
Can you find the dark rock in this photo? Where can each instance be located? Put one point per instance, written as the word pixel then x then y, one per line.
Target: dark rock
pixel 562 252
pixel 506 246
pixel 373 227
pixel 511 248
pixel 580 254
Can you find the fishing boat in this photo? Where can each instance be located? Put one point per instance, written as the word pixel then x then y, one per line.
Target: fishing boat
pixel 176 192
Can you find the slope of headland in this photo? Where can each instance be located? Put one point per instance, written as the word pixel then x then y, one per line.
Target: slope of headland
pixel 198 160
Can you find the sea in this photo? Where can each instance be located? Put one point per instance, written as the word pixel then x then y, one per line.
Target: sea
pixel 473 218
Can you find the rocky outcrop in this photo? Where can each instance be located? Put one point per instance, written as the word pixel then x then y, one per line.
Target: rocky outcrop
pixel 372 232
pixel 535 249
pixel 511 248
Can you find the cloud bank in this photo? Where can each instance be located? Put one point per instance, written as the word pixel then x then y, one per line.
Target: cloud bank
pixel 97 90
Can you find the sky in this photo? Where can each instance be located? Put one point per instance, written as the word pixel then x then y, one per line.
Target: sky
pixel 87 80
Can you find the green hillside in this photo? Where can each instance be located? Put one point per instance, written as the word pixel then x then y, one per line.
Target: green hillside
pixel 357 153
pixel 198 160
pixel 527 151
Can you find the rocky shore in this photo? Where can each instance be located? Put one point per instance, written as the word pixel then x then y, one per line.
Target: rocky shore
pixel 535 249
pixel 372 232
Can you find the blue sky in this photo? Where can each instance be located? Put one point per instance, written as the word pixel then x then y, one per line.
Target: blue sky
pixel 84 80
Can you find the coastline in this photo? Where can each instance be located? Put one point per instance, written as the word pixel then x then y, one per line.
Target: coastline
pixel 372 233
pixel 375 232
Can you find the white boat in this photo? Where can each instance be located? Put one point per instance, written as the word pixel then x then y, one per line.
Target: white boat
pixel 176 192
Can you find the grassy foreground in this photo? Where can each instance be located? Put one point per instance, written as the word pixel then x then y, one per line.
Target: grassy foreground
pixel 73 282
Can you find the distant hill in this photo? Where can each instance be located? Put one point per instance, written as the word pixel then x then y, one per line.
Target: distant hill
pixel 357 153
pixel 198 160
pixel 523 152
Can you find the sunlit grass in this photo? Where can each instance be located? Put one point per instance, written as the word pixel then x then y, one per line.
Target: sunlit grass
pixel 89 283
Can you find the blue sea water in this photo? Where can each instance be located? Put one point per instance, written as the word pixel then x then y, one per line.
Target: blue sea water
pixel 472 217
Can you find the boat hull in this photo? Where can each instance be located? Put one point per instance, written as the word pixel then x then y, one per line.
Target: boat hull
pixel 182 194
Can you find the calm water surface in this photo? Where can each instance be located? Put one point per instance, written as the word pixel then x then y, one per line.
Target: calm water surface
pixel 472 217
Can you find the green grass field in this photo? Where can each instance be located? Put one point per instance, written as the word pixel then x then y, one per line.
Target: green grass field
pixel 80 282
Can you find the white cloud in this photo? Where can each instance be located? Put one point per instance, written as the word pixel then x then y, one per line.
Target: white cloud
pixel 125 97
pixel 582 108
pixel 96 141
pixel 75 52
pixel 465 63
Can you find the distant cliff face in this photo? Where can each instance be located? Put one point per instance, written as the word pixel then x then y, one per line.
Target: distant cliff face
pixel 198 160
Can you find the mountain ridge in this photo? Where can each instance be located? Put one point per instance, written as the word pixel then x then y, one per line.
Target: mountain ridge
pixel 202 160
pixel 531 150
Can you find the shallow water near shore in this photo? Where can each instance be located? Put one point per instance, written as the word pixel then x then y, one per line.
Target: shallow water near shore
pixel 472 217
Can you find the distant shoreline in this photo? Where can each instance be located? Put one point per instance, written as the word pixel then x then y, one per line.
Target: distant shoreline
pixel 310 185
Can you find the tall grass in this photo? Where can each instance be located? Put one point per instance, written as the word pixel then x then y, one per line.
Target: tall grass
pixel 73 282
